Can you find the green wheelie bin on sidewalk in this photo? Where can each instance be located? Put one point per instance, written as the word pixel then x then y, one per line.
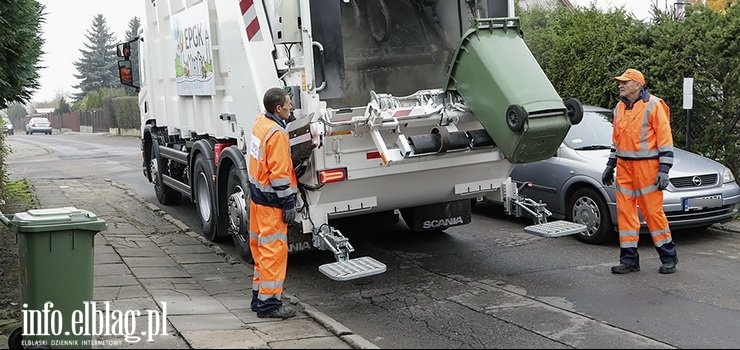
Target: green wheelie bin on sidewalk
pixel 56 257
pixel 502 83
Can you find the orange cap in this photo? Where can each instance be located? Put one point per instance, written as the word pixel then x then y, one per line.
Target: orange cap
pixel 631 74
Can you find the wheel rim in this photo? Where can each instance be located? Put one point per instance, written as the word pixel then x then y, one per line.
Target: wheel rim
pixel 586 212
pixel 204 198
pixel 237 211
pixel 512 117
pixel 154 168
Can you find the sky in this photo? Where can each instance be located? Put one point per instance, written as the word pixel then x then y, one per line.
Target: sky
pixel 639 8
pixel 67 22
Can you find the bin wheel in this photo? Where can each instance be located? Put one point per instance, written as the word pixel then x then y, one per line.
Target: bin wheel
pixel 15 339
pixel 516 116
pixel 574 109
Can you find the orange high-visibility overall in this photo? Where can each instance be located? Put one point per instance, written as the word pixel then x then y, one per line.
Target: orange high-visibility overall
pixel 642 146
pixel 273 188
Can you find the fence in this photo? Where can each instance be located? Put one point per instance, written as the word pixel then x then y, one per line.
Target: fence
pixel 81 121
pixel 96 119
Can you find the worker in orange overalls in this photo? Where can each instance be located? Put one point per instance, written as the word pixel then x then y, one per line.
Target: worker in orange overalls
pixel 272 204
pixel 642 153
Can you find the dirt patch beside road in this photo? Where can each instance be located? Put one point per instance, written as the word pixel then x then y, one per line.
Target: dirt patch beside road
pixel 18 198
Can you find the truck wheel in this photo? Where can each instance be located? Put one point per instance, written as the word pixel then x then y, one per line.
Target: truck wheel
pixel 238 209
pixel 574 109
pixel 516 116
pixel 586 206
pixel 203 195
pixel 15 339
pixel 165 194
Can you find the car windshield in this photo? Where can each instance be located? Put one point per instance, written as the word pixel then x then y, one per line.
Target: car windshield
pixel 593 132
pixel 39 120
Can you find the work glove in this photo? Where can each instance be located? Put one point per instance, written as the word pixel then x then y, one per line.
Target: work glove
pixel 662 181
pixel 607 177
pixel 289 215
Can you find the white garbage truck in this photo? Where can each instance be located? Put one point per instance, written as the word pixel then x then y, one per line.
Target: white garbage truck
pixel 406 107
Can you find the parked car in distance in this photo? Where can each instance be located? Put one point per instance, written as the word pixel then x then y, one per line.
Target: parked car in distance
pixel 7 126
pixel 701 191
pixel 38 124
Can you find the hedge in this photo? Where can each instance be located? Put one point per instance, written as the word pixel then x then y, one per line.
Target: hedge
pixel 580 51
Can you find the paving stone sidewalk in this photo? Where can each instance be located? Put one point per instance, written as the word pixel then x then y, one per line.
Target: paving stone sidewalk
pixel 148 260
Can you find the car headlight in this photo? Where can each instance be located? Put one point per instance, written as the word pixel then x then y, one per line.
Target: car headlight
pixel 727 176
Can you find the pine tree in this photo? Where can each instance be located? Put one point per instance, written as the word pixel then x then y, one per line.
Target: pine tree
pixel 64 107
pixel 97 66
pixel 20 49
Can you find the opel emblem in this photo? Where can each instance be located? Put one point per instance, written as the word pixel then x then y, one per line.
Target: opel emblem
pixel 696 180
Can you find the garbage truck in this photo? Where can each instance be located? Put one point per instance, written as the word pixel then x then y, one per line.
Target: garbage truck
pixel 404 107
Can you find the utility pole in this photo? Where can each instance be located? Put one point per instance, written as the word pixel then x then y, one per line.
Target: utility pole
pixel 688 104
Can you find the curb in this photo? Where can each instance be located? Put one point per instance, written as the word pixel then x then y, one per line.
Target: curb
pixel 336 328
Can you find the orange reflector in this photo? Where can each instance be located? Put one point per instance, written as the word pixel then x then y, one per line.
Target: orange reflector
pixel 372 155
pixel 332 175
pixel 340 132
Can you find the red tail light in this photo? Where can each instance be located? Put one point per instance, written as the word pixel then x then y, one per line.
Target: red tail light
pixel 332 175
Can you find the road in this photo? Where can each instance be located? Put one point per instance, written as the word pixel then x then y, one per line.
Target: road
pixel 482 285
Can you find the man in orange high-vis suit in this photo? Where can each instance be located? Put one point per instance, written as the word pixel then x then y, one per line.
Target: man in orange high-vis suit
pixel 272 206
pixel 642 153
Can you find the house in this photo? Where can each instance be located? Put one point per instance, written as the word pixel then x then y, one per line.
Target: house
pixel 566 3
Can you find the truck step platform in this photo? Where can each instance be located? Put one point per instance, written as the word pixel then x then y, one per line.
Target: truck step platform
pixel 558 228
pixel 352 268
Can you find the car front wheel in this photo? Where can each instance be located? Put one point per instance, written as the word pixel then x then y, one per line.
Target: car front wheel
pixel 586 206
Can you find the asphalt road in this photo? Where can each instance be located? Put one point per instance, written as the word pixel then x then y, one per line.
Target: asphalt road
pixel 482 285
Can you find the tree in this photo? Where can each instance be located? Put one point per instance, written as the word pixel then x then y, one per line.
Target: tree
pixel 20 49
pixel 16 111
pixel 63 107
pixel 97 66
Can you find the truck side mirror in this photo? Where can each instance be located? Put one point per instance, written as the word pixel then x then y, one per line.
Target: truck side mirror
pixel 126 73
pixel 124 50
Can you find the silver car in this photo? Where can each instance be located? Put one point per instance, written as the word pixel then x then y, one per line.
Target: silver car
pixel 7 125
pixel 702 191
pixel 38 124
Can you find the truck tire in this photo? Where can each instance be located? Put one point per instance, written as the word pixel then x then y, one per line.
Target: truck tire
pixel 203 197
pixel 516 116
pixel 587 206
pixel 238 215
pixel 574 110
pixel 165 194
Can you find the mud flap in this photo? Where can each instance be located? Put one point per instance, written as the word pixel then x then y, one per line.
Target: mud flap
pixel 437 216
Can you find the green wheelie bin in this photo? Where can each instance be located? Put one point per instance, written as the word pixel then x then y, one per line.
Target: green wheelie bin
pixel 502 83
pixel 56 257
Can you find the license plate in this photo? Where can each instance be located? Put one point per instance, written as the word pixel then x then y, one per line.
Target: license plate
pixel 698 203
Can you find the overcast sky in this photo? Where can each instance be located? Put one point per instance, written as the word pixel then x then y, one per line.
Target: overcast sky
pixel 67 22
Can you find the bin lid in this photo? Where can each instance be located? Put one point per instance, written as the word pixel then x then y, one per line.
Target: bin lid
pixel 57 219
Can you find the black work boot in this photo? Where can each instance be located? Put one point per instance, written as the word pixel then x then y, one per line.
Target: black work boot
pixel 668 267
pixel 629 261
pixel 281 312
pixel 624 268
pixel 668 257
pixel 254 301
